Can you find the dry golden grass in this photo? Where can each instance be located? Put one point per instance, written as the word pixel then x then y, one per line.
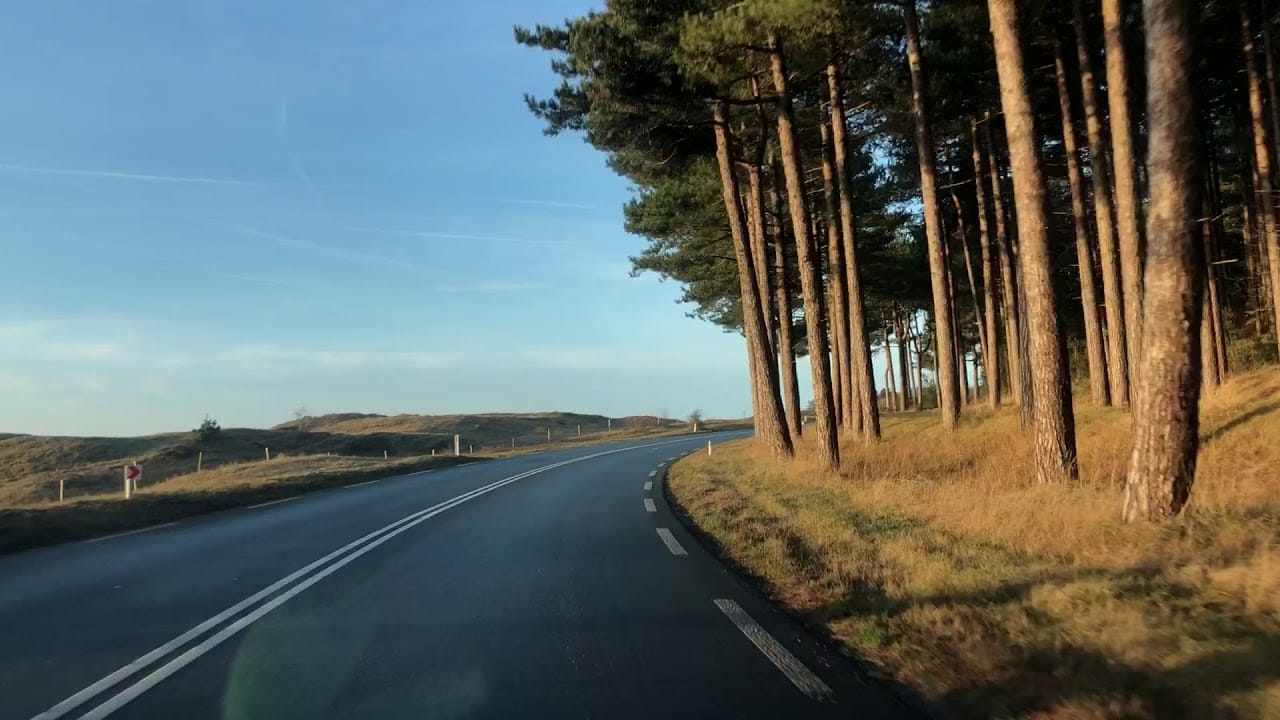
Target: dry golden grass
pixel 228 486
pixel 936 556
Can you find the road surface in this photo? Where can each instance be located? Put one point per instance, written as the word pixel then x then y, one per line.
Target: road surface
pixel 557 584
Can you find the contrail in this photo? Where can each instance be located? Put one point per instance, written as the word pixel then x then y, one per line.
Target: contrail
pixel 113 175
pixel 340 253
pixel 545 203
pixel 452 236
pixel 494 287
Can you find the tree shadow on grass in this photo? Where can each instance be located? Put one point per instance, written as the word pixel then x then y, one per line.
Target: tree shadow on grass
pixel 1042 678
pixel 1241 419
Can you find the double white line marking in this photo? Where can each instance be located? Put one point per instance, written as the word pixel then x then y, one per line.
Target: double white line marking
pixel 309 575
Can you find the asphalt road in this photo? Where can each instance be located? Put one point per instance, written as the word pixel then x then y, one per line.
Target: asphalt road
pixel 550 585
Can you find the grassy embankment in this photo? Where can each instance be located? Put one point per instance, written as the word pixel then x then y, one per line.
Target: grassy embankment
pixel 330 451
pixel 938 559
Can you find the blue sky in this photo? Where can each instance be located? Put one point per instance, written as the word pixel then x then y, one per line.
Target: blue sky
pixel 240 208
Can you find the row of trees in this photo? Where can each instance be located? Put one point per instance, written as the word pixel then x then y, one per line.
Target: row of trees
pixel 1050 189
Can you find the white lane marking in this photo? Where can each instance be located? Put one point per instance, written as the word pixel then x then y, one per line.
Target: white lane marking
pixel 653 473
pixel 128 532
pixel 799 675
pixel 672 458
pixel 464 464
pixel 274 502
pixel 141 663
pixel 672 544
pixel 420 472
pixel 649 506
pixel 648 485
pixel 366 482
pixel 661 464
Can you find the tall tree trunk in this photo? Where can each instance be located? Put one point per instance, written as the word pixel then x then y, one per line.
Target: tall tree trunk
pixel 1209 375
pixel 890 382
pixel 1103 212
pixel 837 286
pixel 760 252
pixel 786 345
pixel 768 416
pixel 916 334
pixel 1270 64
pixel 1084 256
pixel 945 371
pixel 1209 378
pixel 904 358
pixel 990 356
pixel 1166 409
pixel 1212 254
pixel 828 451
pixel 1054 437
pixel 963 236
pixel 1125 177
pixel 1008 279
pixel 863 383
pixel 1262 163
pixel 1218 340
pixel 1254 248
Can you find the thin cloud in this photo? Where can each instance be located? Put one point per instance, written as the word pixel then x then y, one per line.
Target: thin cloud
pixel 545 203
pixel 279 282
pixel 363 258
pixel 116 175
pixel 491 287
pixel 452 236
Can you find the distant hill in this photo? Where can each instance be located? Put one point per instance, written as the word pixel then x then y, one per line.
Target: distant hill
pixel 32 465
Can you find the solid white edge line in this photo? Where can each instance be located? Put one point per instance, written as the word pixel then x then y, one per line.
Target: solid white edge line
pixel 652 473
pixel 799 675
pixel 114 678
pixel 649 506
pixel 661 464
pixel 670 541
pixel 90 541
pixel 420 472
pixel 366 482
pixel 273 502
pixel 648 485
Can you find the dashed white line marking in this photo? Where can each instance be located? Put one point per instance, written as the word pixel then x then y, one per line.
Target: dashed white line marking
pixel 649 506
pixel 648 485
pixel 653 473
pixel 661 464
pixel 274 502
pixel 321 568
pixel 366 482
pixel 128 532
pixel 799 675
pixel 672 459
pixel 420 472
pixel 672 544
pixel 464 464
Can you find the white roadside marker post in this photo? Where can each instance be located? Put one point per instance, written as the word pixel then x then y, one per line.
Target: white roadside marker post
pixel 61 486
pixel 708 447
pixel 457 445
pixel 200 462
pixel 268 452
pixel 384 454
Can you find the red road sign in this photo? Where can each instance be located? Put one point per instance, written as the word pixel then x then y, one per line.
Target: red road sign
pixel 133 472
